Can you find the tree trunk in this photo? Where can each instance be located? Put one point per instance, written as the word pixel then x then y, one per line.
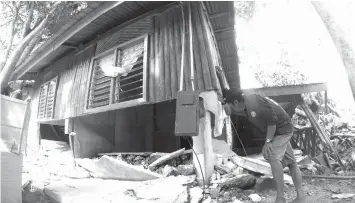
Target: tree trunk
pixel 27 25
pixel 340 41
pixel 16 54
pixel 29 49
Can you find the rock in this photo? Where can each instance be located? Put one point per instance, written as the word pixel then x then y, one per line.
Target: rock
pixel 240 181
pixel 186 170
pixel 196 194
pixel 169 171
pixel 230 166
pixel 264 183
pixel 238 171
pixel 237 201
pixel 214 191
pixel 255 197
pixel 226 195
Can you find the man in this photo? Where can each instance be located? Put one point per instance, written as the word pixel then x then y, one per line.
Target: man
pixel 272 120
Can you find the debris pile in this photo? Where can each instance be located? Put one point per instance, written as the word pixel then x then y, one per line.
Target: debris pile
pixel 341 135
pixel 233 180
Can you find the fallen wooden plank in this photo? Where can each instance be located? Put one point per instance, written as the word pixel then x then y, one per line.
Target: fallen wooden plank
pixel 257 166
pixel 110 168
pixel 166 158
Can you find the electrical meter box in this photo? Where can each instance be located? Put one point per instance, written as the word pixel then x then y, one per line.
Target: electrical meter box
pixel 187 113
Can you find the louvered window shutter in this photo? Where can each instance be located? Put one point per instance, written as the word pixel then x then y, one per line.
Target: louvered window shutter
pixel 129 62
pixel 47 99
pixel 100 85
pixel 130 86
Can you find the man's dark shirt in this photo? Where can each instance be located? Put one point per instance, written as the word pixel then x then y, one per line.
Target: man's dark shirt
pixel 263 112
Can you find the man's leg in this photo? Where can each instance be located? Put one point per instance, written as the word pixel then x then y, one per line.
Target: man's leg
pixel 295 174
pixel 277 172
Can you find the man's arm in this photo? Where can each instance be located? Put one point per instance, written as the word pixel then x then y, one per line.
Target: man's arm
pixel 271 129
pixel 270 117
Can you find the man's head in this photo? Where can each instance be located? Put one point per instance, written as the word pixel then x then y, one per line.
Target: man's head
pixel 235 102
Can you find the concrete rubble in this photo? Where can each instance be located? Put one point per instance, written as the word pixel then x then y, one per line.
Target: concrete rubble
pixel 126 177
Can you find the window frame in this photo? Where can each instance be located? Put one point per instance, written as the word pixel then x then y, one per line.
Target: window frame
pixel 56 79
pixel 125 104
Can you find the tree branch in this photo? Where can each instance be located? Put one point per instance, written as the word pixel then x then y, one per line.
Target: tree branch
pixel 16 54
pixel 26 27
pixel 29 49
pixel 12 35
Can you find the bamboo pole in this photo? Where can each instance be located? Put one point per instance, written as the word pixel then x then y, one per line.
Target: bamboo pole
pixel 191 49
pixel 211 52
pixel 183 50
pixel 199 56
pixel 167 71
pixel 177 49
pixel 156 55
pixel 202 46
pixel 161 59
pixel 151 77
pixel 173 67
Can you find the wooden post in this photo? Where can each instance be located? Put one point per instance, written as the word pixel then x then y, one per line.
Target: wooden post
pixel 69 130
pixel 68 126
pixel 202 145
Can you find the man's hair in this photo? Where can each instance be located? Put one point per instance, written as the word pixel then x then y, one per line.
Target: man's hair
pixel 231 95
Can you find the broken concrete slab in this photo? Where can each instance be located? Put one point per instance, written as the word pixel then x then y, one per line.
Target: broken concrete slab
pixel 257 166
pixel 170 189
pixel 110 168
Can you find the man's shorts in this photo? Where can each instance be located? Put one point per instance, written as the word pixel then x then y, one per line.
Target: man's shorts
pixel 282 150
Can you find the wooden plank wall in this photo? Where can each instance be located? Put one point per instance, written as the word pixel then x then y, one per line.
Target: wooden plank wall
pixel 133 129
pixel 72 84
pixel 125 34
pixel 165 54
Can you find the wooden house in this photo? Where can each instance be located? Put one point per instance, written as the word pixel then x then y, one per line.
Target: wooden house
pixel 134 111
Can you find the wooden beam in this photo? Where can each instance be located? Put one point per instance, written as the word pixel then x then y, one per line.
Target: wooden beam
pixel 46 50
pixel 218 15
pixel 288 90
pixel 68 126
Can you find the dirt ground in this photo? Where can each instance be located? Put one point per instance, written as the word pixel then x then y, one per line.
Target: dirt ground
pixel 317 191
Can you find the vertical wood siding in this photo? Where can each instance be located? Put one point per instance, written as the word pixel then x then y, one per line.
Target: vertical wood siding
pixel 127 33
pixel 165 53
